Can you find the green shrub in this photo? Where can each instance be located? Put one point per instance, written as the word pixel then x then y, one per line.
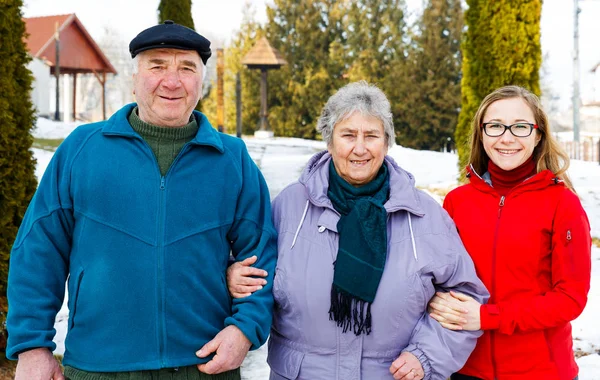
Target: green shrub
pixel 501 47
pixel 17 165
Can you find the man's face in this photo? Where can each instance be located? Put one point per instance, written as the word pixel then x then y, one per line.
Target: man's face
pixel 167 86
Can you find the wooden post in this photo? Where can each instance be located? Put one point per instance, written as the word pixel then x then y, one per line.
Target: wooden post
pixel 74 96
pixel 103 96
pixel 57 71
pixel 264 122
pixel 238 105
pixel 220 102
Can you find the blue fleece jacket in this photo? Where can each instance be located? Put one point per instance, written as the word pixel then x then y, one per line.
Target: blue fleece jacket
pixel 145 254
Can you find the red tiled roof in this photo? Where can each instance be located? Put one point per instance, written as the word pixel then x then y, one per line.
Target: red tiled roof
pixel 79 51
pixel 40 30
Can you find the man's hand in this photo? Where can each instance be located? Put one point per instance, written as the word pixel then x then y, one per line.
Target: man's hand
pixel 231 347
pixel 242 278
pixel 407 367
pixel 38 364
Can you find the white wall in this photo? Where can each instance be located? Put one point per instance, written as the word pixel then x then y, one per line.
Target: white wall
pixel 40 95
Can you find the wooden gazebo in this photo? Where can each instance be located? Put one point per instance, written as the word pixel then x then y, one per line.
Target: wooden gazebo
pixel 78 52
pixel 263 57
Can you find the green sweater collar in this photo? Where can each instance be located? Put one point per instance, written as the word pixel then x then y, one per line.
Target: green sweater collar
pixel 187 132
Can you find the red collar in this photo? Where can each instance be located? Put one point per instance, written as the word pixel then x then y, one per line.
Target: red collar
pixel 505 180
pixel 539 181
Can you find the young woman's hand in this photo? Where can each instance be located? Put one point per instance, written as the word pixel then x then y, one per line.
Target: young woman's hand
pixel 455 311
pixel 243 279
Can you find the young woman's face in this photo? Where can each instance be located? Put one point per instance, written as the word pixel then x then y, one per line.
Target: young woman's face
pixel 509 151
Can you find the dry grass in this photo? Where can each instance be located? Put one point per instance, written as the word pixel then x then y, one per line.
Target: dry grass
pixel 47 144
pixel 7 369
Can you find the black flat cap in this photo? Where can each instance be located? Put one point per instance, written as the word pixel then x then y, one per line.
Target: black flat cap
pixel 170 35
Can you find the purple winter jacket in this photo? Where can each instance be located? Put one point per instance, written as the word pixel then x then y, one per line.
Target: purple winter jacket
pixel 425 254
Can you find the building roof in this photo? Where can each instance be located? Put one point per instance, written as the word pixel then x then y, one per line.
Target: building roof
pixel 78 52
pixel 264 55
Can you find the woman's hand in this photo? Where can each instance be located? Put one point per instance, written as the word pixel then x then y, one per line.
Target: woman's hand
pixel 455 311
pixel 242 278
pixel 407 367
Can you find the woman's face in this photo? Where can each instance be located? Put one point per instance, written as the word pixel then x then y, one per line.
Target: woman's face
pixel 358 147
pixel 508 151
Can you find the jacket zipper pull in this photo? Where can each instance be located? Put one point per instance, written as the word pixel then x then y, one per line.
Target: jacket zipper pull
pixel 501 205
pixel 162 183
pixel 568 236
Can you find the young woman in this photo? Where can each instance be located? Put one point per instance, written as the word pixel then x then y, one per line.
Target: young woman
pixel 522 223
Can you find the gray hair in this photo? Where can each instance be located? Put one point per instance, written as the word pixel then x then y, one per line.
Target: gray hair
pixel 361 97
pixel 136 66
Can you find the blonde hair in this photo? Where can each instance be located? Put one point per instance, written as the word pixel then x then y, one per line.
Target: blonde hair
pixel 547 154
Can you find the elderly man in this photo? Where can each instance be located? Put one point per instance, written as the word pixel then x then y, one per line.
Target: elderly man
pixel 141 213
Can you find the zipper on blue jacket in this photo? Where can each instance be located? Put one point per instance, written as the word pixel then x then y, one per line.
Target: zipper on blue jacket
pixel 160 278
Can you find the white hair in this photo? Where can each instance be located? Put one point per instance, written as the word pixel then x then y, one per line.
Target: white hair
pixel 361 97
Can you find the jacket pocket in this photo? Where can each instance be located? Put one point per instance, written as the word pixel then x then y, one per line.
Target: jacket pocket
pixel 284 361
pixel 228 295
pixel 279 295
pixel 75 296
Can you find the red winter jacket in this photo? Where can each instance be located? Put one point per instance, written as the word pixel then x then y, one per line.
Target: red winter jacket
pixel 532 250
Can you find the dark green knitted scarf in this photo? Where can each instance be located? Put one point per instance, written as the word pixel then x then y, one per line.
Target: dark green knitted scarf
pixel 362 248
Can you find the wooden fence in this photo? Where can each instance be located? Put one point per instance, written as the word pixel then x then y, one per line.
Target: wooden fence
pixel 587 150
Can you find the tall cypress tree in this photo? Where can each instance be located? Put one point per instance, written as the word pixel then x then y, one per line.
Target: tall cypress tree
pixel 17 117
pixel 501 47
pixel 428 93
pixel 178 11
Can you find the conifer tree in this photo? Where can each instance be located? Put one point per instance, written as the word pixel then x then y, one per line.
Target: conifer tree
pixel 17 117
pixel 501 47
pixel 428 94
pixel 249 33
pixel 375 41
pixel 178 11
pixel 309 34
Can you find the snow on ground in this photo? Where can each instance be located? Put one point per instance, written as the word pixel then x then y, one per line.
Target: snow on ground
pixel 49 129
pixel 282 159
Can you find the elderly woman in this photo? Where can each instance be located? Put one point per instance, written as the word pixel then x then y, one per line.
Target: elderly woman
pixel 361 252
pixel 529 237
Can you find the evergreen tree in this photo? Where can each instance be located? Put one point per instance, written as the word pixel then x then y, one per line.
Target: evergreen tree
pixel 310 36
pixel 17 117
pixel 427 91
pixel 250 32
pixel 501 47
pixel 375 41
pixel 178 11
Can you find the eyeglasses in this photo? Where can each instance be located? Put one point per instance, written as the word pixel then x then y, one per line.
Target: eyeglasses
pixel 518 129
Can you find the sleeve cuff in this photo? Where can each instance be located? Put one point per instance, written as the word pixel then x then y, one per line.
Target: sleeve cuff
pixel 415 350
pixel 252 336
pixel 490 317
